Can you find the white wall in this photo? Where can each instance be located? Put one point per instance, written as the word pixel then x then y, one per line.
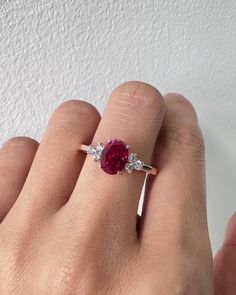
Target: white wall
pixel 56 50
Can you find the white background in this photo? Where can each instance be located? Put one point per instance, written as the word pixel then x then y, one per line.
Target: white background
pixel 51 51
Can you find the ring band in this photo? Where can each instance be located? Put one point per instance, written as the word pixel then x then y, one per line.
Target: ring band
pixel 114 157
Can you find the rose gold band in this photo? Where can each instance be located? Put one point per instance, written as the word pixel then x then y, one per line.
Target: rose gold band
pixel 149 169
pixel 83 147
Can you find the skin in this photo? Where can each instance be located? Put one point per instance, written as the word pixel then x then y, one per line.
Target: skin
pixel 68 228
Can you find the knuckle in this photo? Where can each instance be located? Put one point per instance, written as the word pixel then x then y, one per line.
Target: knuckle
pixel 138 95
pixel 182 101
pixel 73 120
pixel 22 143
pixel 65 277
pixel 72 109
pixel 187 138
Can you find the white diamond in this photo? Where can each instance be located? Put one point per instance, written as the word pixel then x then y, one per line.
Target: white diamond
pixel 91 150
pixel 96 156
pixel 129 167
pixel 96 151
pixel 100 147
pixel 138 165
pixel 132 158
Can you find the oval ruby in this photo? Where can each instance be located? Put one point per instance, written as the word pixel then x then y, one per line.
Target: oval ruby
pixel 114 156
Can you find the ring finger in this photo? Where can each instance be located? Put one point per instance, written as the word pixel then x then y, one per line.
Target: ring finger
pixel 134 114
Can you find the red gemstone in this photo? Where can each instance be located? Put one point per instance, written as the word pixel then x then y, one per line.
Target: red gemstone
pixel 114 156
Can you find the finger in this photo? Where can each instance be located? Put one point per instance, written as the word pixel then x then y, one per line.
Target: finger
pixel 174 215
pixel 57 163
pixel 230 234
pixel 134 115
pixel 16 157
pixel 225 262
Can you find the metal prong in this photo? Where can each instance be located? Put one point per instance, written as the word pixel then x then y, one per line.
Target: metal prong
pixel 128 146
pixel 119 172
pixel 100 166
pixel 109 141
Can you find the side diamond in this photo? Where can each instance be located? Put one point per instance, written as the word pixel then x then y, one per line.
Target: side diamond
pixel 132 158
pixel 133 163
pixel 129 167
pixel 100 147
pixel 96 157
pixel 138 165
pixel 91 150
pixel 96 151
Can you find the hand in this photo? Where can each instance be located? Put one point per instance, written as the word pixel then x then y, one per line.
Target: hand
pixel 69 228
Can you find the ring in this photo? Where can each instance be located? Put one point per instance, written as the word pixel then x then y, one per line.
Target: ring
pixel 114 157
